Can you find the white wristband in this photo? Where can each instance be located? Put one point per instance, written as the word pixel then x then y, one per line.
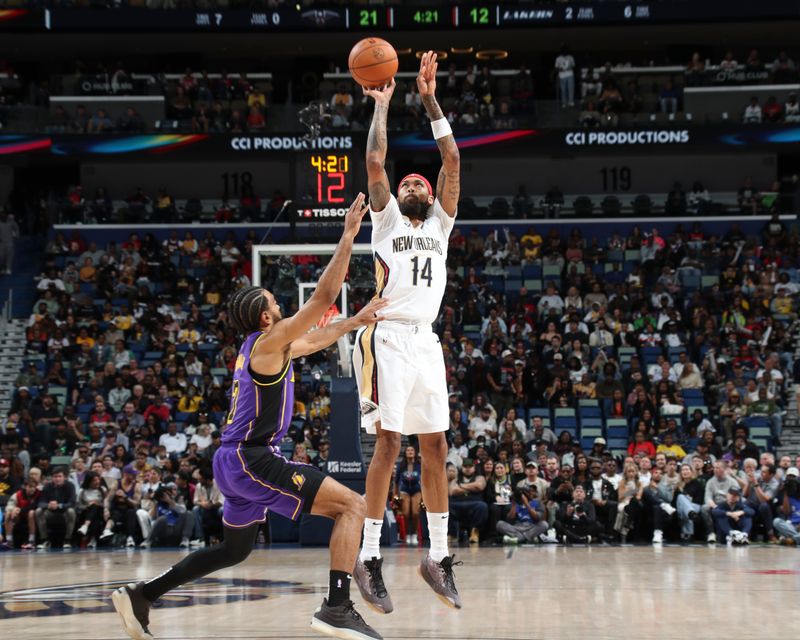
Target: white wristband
pixel 441 128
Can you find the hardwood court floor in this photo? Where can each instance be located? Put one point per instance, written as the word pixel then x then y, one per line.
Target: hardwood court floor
pixel 527 593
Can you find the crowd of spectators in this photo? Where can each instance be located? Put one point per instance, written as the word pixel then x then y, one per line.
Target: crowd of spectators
pixel 690 372
pixel 564 356
pixel 608 91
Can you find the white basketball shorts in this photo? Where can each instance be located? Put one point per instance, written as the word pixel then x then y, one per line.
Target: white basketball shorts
pixel 401 378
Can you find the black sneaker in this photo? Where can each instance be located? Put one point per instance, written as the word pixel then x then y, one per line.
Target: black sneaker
pixel 134 609
pixel 342 622
pixel 440 578
pixel 369 578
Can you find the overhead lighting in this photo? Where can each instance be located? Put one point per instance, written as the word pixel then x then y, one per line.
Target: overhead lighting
pixel 440 55
pixel 461 50
pixel 492 54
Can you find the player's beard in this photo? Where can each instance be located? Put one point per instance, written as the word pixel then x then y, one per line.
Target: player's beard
pixel 414 209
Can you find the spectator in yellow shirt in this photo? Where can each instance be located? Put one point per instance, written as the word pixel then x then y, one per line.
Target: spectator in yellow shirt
pixel 188 335
pixel 87 272
pixel 84 338
pixel 668 446
pixel 531 243
pixel 256 98
pixel 190 402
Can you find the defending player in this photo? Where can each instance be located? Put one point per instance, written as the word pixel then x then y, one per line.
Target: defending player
pixel 249 467
pixel 402 376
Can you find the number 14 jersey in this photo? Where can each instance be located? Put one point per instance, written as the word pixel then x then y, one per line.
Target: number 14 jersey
pixel 410 262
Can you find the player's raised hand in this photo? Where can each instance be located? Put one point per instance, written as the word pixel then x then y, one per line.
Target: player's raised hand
pixel 381 95
pixel 371 313
pixel 426 79
pixel 354 215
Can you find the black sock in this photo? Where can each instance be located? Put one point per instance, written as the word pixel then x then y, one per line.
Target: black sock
pixel 339 588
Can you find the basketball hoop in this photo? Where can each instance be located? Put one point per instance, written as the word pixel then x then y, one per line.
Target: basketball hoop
pixel 330 314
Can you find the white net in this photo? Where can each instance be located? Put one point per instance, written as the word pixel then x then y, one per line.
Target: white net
pixel 291 272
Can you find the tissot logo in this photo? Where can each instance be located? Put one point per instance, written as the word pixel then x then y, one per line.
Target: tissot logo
pixel 316 214
pixel 290 143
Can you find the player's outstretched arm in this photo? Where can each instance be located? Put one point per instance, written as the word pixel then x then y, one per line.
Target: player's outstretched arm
pixel 325 337
pixel 377 180
pixel 448 186
pixel 288 330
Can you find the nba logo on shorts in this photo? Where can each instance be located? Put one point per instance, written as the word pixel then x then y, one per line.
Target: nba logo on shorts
pixel 299 480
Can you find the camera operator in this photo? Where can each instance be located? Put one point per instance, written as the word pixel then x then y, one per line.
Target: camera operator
pixel 172 523
pixel 789 526
pixel 603 496
pixel 525 520
pixel 577 521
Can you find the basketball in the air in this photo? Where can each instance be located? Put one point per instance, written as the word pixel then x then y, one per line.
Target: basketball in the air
pixel 372 62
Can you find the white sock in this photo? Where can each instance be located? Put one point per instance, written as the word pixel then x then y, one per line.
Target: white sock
pixel 437 527
pixel 372 539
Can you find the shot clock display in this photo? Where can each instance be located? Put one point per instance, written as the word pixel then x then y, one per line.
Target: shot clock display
pixel 326 184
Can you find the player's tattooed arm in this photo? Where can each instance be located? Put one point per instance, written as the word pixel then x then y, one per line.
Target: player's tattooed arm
pixel 448 186
pixel 377 146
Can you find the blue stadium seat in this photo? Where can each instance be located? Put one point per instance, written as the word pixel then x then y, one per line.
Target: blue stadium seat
pixel 532 271
pixel 617 443
pixel 589 412
pixel 617 432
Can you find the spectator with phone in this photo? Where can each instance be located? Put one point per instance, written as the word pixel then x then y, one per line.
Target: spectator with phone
pixel 576 521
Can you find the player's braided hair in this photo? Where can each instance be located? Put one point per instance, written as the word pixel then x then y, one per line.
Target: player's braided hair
pixel 245 308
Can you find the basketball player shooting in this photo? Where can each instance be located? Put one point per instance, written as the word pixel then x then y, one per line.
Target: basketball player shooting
pixel 251 472
pixel 398 362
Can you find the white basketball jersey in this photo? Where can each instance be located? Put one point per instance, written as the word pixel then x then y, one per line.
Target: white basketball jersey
pixel 410 262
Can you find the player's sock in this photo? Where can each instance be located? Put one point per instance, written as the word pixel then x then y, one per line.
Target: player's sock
pixel 437 527
pixel 372 539
pixel 339 588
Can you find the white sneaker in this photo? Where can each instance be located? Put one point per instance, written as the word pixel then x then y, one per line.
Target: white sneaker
pixel 745 538
pixel 130 542
pixel 67 545
pixel 408 538
pixel 668 508
pixel 83 529
pixel 414 539
pixel 145 544
pixel 548 538
pixel 729 540
pixel 44 545
pixel 92 544
pixel 184 543
pixel 107 533
pixel 510 540
pixel 711 538
pixel 658 536
pixel 197 544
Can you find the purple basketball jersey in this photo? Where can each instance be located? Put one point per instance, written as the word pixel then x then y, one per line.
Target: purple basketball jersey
pixel 261 406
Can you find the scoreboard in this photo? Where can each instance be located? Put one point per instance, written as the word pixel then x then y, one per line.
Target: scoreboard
pixel 360 18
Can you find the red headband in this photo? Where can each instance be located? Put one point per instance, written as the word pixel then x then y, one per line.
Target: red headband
pixel 418 177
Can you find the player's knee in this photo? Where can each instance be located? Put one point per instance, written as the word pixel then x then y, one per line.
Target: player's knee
pixel 434 448
pixel 387 446
pixel 356 505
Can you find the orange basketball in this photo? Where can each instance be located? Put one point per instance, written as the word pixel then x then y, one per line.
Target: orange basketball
pixel 372 62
